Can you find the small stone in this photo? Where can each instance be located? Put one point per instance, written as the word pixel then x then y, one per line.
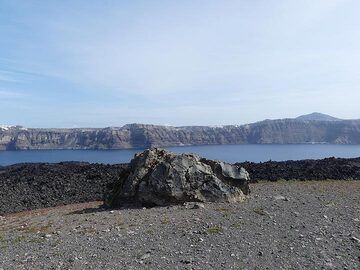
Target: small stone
pixel 355 239
pixel 185 261
pixel 280 197
pixel 193 205
pixel 329 264
pixel 145 256
pixel 198 206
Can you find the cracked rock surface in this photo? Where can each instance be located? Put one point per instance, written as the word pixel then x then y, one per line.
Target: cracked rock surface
pixel 159 177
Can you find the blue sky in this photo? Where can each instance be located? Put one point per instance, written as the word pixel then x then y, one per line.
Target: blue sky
pixel 108 63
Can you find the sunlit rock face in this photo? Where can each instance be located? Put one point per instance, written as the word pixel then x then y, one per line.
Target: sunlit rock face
pixel 305 129
pixel 159 177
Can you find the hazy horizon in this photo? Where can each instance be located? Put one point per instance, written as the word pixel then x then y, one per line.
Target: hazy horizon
pixel 179 63
pixel 140 123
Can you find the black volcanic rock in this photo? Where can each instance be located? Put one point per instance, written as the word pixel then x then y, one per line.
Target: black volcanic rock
pixel 32 186
pixel 321 169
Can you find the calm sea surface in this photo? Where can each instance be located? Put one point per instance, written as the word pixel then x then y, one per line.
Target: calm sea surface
pixel 229 153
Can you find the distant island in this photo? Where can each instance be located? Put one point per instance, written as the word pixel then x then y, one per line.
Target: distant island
pixel 312 128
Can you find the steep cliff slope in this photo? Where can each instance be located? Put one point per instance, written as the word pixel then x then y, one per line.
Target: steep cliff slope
pixel 282 131
pixel 297 131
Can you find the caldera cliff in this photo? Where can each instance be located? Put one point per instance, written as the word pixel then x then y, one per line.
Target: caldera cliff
pixel 305 129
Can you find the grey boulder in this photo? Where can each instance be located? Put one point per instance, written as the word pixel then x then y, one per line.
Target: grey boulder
pixel 158 177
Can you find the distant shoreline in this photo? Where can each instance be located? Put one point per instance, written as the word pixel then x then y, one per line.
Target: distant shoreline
pixel 302 130
pixel 170 146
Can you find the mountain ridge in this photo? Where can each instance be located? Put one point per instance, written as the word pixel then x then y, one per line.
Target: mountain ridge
pixel 316 116
pixel 278 131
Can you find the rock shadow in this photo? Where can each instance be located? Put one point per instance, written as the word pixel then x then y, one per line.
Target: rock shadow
pixel 88 210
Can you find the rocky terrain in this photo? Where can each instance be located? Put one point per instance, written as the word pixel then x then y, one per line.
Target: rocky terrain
pixel 321 169
pixel 281 225
pixel 314 128
pixel 31 186
pixel 207 218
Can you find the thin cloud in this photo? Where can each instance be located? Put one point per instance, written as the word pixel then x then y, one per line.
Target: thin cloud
pixel 179 62
pixel 6 77
pixel 5 94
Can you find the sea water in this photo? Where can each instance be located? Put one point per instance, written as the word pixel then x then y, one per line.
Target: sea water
pixel 229 153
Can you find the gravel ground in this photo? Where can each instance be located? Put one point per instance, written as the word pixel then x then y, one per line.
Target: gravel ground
pixel 282 225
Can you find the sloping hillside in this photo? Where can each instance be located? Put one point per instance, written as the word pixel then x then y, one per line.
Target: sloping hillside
pixel 283 131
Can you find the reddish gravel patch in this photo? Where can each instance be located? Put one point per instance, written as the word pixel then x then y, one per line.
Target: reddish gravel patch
pixel 282 225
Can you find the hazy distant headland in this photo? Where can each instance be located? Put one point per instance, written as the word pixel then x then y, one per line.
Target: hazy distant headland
pixel 312 128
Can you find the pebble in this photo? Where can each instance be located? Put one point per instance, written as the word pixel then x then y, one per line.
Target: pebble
pixel 355 239
pixel 193 205
pixel 145 256
pixel 280 197
pixel 185 243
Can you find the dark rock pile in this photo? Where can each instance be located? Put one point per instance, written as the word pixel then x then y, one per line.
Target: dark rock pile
pixel 322 169
pixel 31 186
pixel 159 177
pixel 188 178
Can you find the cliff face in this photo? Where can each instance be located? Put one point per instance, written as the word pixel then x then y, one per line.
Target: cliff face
pixel 107 138
pixel 295 131
pixel 128 136
pixel 284 131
